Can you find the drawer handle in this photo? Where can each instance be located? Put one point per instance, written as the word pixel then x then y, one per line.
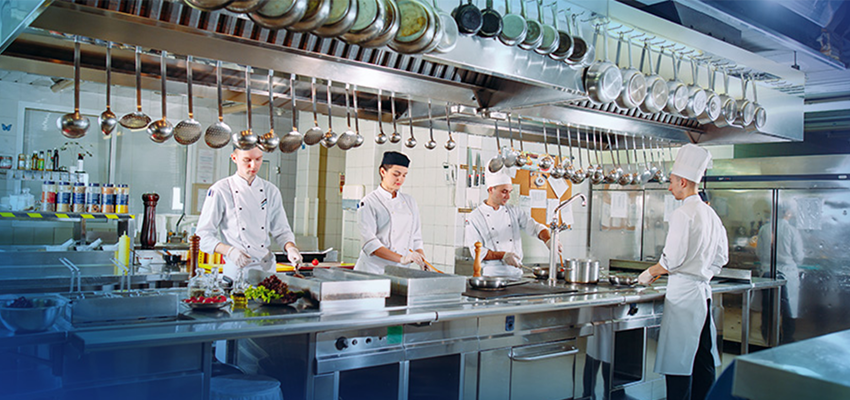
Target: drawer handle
pixel 569 352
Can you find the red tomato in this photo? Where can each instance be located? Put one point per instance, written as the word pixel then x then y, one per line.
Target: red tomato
pixel 315 262
pixel 207 300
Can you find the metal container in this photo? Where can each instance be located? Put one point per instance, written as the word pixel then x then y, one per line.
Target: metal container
pixel 336 288
pixel 583 271
pixel 420 287
pixel 88 308
pixel 38 318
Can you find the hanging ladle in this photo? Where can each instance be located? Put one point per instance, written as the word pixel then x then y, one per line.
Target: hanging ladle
pixel 512 154
pixel 346 140
pixel 591 169
pixel 558 171
pixel 270 141
pixel 644 176
pixel 395 137
pixel 616 171
pixel 218 134
pixel 358 138
pixel 331 137
pixel 108 120
pixel 381 137
pixel 578 175
pixel 292 140
pixel 315 133
pixel 626 178
pixel 246 139
pixel 188 131
pixel 450 144
pixel 522 158
pixel 496 163
pixel 74 125
pixel 136 120
pixel 567 164
pixel 599 172
pixel 430 144
pixel 546 162
pixel 161 130
pixel 411 141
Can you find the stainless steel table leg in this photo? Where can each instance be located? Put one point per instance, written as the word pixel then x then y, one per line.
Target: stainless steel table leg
pixel 775 294
pixel 232 352
pixel 206 361
pixel 403 379
pixel 745 321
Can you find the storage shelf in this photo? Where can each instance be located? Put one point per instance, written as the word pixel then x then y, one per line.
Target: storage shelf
pixel 60 216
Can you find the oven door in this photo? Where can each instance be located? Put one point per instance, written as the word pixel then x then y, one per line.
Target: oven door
pixel 543 371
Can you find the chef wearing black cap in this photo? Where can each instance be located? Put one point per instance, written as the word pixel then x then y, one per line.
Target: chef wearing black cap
pixel 390 229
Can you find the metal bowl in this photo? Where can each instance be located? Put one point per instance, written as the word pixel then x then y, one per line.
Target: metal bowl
pixel 543 272
pixel 488 282
pixel 621 280
pixel 33 319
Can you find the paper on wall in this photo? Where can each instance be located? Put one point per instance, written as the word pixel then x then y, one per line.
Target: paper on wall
pixel 558 185
pixel 525 202
pixel 567 215
pixel 619 204
pixel 205 166
pixel 551 204
pixel 538 198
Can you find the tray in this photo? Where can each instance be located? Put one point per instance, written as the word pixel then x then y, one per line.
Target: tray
pixel 518 290
pixel 208 306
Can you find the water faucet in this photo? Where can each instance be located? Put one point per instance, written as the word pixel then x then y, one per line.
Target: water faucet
pixel 554 229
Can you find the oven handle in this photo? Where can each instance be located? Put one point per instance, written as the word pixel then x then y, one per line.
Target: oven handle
pixel 571 351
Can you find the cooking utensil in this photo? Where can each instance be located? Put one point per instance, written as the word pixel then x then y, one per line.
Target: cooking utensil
pixel 488 282
pixel 315 133
pixel 208 5
pixel 512 154
pixel 634 83
pixel 41 316
pixel 546 162
pixel 450 31
pixel 245 6
pixel 331 137
pixel 712 101
pixel 598 173
pixel 347 138
pixel 491 21
pixel 246 139
pixel 136 120
pixel 108 120
pixel 358 138
pixel 411 141
pixel 478 171
pixel 697 98
pixel 416 29
pixel 292 140
pixel 677 92
pixel 585 271
pixel 381 137
pixel 622 280
pixel 548 32
pixel 270 141
pixel 656 87
pixel 217 135
pixel 534 30
pixel 591 169
pixel 395 137
pixel 522 158
pixel 543 272
pixel 468 18
pixel 627 177
pixel 431 144
pixel 280 14
pixel 653 168
pixel 746 108
pixel 559 171
pixel 569 169
pixel 188 131
pixel 450 143
pixel 760 115
pixel 616 172
pixel 315 16
pixel 728 105
pixel 392 23
pixel 370 22
pixel 647 173
pixel 340 19
pixel 581 52
pixel 565 40
pixel 161 130
pixel 513 27
pixel 496 163
pixel 74 125
pixel 660 174
pixel 603 80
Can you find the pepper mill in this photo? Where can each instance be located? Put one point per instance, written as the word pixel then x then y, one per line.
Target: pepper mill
pixel 476 265
pixel 148 237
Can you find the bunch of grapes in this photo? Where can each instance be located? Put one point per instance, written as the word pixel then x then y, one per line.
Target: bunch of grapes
pixel 21 302
pixel 273 289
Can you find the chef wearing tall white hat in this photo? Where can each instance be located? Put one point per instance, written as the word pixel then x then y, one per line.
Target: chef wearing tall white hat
pixel 498 227
pixel 695 250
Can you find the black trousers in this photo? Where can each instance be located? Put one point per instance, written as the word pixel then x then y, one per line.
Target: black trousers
pixel 788 325
pixel 695 386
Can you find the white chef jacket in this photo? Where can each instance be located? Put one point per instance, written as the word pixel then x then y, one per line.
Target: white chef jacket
pixel 695 250
pixel 243 216
pixel 388 222
pixel 499 230
pixel 789 253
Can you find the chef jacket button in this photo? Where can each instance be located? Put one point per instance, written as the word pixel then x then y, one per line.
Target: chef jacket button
pixel 237 191
pixel 492 229
pixel 262 227
pixel 262 245
pixel 240 208
pixel 261 190
pixel 509 225
pixel 262 208
pixel 243 229
pixel 510 240
pixel 249 246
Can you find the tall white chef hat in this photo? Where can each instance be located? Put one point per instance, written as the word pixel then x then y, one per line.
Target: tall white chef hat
pixel 691 162
pixel 497 178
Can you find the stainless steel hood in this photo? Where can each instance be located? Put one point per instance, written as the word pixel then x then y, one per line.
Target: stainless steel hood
pixel 534 86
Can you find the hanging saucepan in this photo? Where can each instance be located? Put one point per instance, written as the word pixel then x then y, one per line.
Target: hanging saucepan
pixel 340 19
pixel 292 140
pixel 534 31
pixel 746 108
pixel 583 52
pixel 245 6
pixel 491 21
pixel 548 32
pixel 634 83
pixel 450 32
pixel 392 21
pixel 656 86
pixel 760 118
pixel 279 14
pixel 565 40
pixel 603 80
pixel 677 92
pixel 513 27
pixel 208 5
pixel 728 105
pixel 370 22
pixel 712 100
pixel 315 16
pixel 697 98
pixel 417 27
pixel 468 18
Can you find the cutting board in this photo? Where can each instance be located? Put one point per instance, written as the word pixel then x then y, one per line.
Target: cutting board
pixel 529 289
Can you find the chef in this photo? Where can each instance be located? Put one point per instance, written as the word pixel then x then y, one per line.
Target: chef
pixel 498 227
pixel 239 214
pixel 390 230
pixel 789 253
pixel 695 250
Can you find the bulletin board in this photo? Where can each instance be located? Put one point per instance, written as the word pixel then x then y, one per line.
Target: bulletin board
pixel 528 181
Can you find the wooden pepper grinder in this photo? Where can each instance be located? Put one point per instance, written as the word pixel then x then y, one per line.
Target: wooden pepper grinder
pixel 476 265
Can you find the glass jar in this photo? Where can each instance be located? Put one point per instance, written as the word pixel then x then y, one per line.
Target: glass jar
pixel 78 199
pixel 5 162
pixel 108 199
pixel 198 284
pixel 93 198
pixel 63 197
pixel 48 196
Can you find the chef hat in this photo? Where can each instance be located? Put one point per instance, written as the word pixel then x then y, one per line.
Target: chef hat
pixel 691 162
pixel 395 158
pixel 497 178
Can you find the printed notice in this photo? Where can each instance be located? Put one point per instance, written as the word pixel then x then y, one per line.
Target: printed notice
pixel 558 185
pixel 204 166
pixel 619 204
pixel 538 198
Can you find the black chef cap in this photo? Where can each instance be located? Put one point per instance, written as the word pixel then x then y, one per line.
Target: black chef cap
pixel 395 158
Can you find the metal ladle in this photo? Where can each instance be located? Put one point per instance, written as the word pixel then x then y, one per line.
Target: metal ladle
pixel 381 137
pixel 315 133
pixel 161 130
pixel 578 174
pixel 653 168
pixel 347 138
pixel 450 144
pixel 512 154
pixel 599 172
pixel 188 131
pixel 411 141
pixel 218 134
pixel 74 125
pixel 358 138
pixel 496 163
pixel 616 171
pixel 559 171
pixel 137 120
pixel 569 170
pixel 331 137
pixel 270 140
pixel 522 158
pixel 626 178
pixel 430 144
pixel 247 139
pixel 590 170
pixel 292 140
pixel 395 137
pixel 546 162
pixel 642 176
pixel 108 120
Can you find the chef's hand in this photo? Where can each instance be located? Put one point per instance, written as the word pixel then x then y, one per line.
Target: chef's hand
pixel 646 278
pixel 512 259
pixel 239 257
pixel 560 246
pixel 412 257
pixel 294 255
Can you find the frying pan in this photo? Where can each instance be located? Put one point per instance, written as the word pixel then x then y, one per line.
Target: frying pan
pixel 468 17
pixel 416 29
pixel 369 22
pixel 581 52
pixel 728 105
pixel 656 87
pixel 697 98
pixel 634 83
pixel 533 34
pixel 746 108
pixel 245 6
pixel 279 14
pixel 491 21
pixel 712 102
pixel 548 33
pixel 677 98
pixel 448 41
pixel 489 282
pixel 315 16
pixel 603 80
pixel 340 19
pixel 392 22
pixel 208 5
pixel 513 27
pixel 565 40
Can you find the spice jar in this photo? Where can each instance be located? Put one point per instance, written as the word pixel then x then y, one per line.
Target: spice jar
pixel 78 198
pixel 63 197
pixel 93 195
pixel 108 198
pixel 48 196
pixel 122 199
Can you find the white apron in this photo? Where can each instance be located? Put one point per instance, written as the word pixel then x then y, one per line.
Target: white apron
pixel 681 325
pixel 394 226
pixel 508 238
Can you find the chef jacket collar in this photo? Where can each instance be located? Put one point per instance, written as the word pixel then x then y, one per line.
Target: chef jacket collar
pixel 693 197
pixel 245 181
pixel 386 193
pixel 494 208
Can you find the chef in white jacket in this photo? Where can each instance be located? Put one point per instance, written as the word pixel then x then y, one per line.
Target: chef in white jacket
pixel 239 214
pixel 789 253
pixel 498 226
pixel 388 220
pixel 695 250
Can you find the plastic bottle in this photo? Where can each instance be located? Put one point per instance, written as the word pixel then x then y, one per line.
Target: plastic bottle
pixel 22 161
pixel 48 160
pixel 123 252
pixel 55 160
pixel 63 197
pixel 34 161
pixel 40 161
